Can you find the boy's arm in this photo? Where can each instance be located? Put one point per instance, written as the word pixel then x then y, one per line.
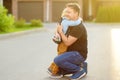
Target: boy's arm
pixel 73 23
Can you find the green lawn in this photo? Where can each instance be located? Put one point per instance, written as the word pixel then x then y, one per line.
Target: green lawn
pixel 20 29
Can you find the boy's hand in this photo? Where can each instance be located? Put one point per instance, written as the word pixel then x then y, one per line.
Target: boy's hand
pixel 57 38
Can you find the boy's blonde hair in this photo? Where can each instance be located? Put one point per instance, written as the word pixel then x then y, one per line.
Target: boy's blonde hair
pixel 63 13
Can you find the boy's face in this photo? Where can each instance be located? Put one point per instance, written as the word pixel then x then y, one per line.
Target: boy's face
pixel 70 14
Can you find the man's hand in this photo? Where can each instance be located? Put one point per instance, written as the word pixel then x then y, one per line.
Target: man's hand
pixel 67 40
pixel 59 29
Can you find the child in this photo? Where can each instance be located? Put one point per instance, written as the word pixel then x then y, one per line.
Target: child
pixel 65 24
pixel 54 69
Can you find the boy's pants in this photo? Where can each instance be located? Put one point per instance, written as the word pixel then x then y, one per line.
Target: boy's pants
pixel 69 61
pixel 54 69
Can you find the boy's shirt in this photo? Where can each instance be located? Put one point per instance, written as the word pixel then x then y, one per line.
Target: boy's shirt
pixel 66 23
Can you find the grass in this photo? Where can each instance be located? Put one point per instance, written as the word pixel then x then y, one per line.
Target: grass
pixel 25 28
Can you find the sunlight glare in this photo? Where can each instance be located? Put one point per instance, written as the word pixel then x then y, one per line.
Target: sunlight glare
pixel 115 35
pixel 116 44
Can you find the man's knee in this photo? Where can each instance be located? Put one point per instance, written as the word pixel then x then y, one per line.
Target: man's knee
pixel 58 61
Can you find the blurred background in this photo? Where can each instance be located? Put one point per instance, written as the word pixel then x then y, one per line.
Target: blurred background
pixel 50 10
pixel 27 54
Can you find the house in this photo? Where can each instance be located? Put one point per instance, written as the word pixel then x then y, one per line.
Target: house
pixel 50 10
pixel 1 2
pixel 46 10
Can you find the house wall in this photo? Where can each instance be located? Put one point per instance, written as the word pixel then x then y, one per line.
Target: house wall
pixel 46 10
pixel 57 8
pixel 50 10
pixel 1 2
pixel 30 10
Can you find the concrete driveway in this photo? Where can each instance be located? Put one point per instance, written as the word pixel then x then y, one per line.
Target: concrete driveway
pixel 27 56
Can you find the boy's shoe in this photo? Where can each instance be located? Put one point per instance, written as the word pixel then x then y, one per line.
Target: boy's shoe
pixel 49 71
pixel 57 76
pixel 80 74
pixel 84 65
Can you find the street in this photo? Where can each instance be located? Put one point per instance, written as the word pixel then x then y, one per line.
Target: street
pixel 27 56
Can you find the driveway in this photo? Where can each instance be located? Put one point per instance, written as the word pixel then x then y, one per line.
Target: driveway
pixel 27 56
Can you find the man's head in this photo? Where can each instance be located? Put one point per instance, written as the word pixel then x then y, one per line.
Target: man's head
pixel 72 11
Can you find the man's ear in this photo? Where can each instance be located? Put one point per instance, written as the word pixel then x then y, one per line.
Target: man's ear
pixel 77 14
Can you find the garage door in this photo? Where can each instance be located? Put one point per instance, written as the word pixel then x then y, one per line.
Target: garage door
pixel 30 10
pixel 57 8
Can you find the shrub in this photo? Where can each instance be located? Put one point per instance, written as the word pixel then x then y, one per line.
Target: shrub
pixel 108 14
pixel 36 23
pixel 20 23
pixel 6 21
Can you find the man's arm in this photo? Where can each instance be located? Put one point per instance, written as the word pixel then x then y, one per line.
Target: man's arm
pixel 67 40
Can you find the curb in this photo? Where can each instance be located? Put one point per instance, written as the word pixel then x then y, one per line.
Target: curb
pixel 15 34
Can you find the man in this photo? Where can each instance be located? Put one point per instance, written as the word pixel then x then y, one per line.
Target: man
pixel 72 60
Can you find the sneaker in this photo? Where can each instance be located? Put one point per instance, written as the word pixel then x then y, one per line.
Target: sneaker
pixel 84 66
pixel 49 71
pixel 78 75
pixel 57 76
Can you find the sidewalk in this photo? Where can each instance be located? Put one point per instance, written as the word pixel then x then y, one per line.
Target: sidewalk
pixel 14 34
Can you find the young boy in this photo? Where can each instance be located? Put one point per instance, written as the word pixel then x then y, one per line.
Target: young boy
pixel 54 69
pixel 65 24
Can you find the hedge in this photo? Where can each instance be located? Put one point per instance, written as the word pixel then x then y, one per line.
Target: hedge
pixel 108 14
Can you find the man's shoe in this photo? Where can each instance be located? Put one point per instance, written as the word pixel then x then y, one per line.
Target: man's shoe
pixel 84 65
pixel 78 75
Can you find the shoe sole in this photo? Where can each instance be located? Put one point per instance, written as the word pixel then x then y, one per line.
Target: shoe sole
pixel 56 77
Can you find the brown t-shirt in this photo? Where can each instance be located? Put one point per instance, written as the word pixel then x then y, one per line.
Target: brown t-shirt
pixel 81 44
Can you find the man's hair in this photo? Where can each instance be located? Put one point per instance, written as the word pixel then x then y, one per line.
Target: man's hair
pixel 74 6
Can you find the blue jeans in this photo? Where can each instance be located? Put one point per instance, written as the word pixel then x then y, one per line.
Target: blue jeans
pixel 69 61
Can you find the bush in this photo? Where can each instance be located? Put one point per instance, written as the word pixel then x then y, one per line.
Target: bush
pixel 108 14
pixel 6 21
pixel 36 23
pixel 20 23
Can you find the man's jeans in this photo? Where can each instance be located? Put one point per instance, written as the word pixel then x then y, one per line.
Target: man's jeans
pixel 69 61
